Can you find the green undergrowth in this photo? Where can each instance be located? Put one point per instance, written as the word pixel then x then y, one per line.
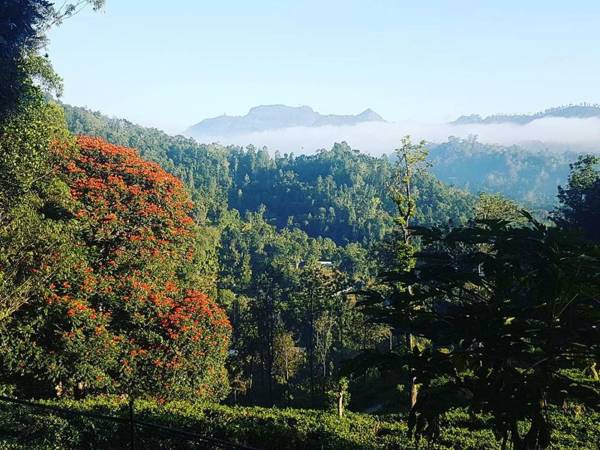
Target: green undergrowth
pixel 23 427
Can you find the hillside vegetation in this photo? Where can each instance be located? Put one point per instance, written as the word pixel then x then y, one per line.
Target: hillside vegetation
pixel 527 175
pixel 155 290
pixel 581 111
pixel 265 428
pixel 338 193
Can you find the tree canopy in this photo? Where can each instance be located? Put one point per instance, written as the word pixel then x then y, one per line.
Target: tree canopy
pixel 579 207
pixel 507 316
pixel 131 318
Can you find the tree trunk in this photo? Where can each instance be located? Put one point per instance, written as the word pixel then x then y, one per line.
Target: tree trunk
pixel 414 391
pixel 594 372
pixel 412 385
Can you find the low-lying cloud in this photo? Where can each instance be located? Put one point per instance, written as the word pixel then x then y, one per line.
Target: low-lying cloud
pixel 379 137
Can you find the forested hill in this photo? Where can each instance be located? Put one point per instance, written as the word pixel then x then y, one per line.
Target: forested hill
pixel 582 111
pixel 338 193
pixel 529 176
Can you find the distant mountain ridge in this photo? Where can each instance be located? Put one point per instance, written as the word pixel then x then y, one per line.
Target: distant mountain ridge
pixel 582 111
pixel 273 117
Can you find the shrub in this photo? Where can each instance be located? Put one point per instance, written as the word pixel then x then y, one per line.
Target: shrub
pixel 265 428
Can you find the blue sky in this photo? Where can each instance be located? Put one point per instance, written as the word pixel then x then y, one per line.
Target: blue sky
pixel 172 63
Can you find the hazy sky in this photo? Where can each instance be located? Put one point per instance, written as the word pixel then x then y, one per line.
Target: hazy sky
pixel 172 63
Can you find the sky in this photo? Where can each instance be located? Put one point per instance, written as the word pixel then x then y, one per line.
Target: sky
pixel 170 64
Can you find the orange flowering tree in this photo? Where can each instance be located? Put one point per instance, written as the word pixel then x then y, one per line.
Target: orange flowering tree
pixel 131 318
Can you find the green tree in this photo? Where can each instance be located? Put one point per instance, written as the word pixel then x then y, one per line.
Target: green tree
pixel 411 161
pixel 130 318
pixel 508 331
pixel 497 207
pixel 35 226
pixel 579 207
pixel 23 28
pixel 320 305
pixel 288 359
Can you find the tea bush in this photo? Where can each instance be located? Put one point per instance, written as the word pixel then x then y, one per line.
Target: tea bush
pixel 265 428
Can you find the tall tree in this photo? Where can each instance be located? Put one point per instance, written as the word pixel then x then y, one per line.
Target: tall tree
pixel 288 359
pixel 317 300
pixel 509 329
pixel 23 28
pixel 130 318
pixel 411 160
pixel 579 207
pixel 34 219
pixel 497 207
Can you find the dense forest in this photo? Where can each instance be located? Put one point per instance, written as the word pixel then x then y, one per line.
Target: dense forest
pixel 527 175
pixel 279 221
pixel 338 193
pixel 279 301
pixel 580 111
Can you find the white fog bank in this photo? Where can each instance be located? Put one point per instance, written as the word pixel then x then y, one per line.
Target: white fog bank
pixel 380 137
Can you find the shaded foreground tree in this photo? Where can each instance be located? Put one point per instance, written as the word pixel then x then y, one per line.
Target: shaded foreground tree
pixel 510 317
pixel 130 317
pixel 23 28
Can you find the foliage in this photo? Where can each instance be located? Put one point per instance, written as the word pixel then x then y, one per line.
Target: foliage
pixel 579 207
pixel 20 22
pixel 34 222
pixel 23 27
pixel 498 207
pixel 528 175
pixel 33 226
pixel 321 305
pixel 130 319
pixel 339 396
pixel 505 325
pixel 334 193
pixel 266 428
pixel 263 273
pixel 411 161
pixel 288 357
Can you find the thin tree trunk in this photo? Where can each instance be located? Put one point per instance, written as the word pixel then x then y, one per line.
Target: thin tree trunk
pixel 412 385
pixel 594 371
pixel 341 404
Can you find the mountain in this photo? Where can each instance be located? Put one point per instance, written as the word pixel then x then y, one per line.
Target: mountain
pixel 583 111
pixel 273 117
